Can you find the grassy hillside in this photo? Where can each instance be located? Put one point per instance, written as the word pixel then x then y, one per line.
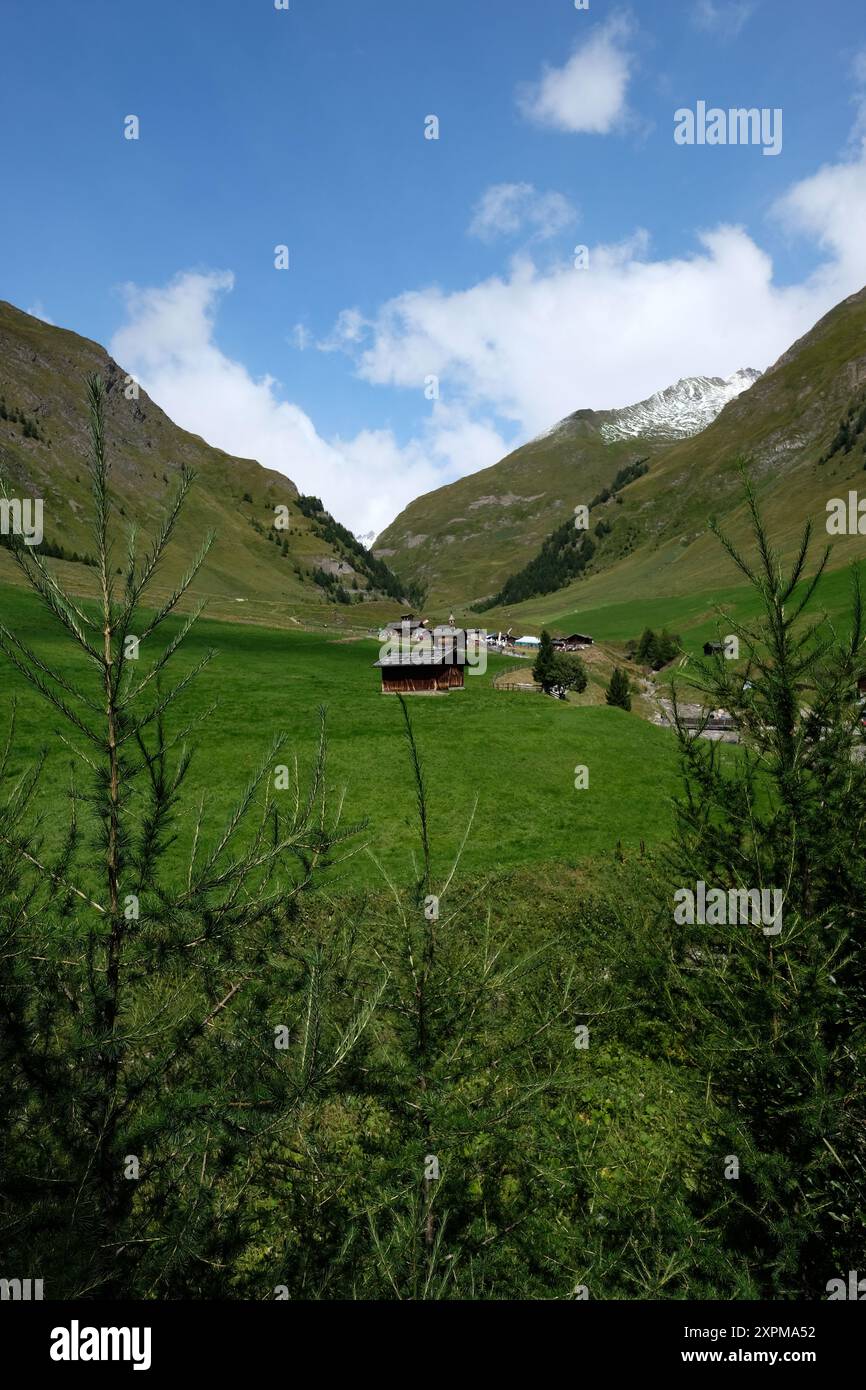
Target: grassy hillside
pixel 43 451
pixel 463 540
pixel 783 427
pixel 475 742
pixel 787 428
pixel 694 616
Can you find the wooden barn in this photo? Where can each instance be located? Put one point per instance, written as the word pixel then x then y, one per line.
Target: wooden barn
pixel 432 664
pixel 403 674
pixel 574 643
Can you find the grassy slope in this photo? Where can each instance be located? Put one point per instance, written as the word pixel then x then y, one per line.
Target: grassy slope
pixel 781 426
pixel 42 372
pixel 694 616
pixel 516 752
pixel 660 559
pixel 464 540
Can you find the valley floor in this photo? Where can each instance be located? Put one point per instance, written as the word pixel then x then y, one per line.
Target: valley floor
pixel 514 753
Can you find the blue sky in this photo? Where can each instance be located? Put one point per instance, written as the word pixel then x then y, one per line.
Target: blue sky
pixel 305 127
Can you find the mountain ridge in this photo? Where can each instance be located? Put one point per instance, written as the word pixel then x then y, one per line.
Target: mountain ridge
pixel 297 573
pixel 801 432
pixel 558 469
pixel 680 411
pixel 783 422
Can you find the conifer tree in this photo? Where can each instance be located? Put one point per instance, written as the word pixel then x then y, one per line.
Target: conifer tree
pixel 774 1014
pixel 618 691
pixel 542 671
pixel 139 995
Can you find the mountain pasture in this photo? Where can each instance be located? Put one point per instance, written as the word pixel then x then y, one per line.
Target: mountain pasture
pixel 515 752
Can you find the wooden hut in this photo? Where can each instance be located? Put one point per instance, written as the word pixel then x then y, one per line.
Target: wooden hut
pixel 403 674
pixel 425 664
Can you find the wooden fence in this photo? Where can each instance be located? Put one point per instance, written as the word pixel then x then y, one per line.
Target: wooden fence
pixel 508 681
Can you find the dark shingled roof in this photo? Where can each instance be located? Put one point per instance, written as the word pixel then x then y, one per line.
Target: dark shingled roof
pixel 421 659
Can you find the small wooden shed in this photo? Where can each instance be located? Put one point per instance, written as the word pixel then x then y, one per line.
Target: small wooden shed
pixel 425 663
pixel 404 674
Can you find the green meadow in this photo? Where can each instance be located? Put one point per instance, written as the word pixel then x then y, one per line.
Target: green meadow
pixel 697 616
pixel 515 753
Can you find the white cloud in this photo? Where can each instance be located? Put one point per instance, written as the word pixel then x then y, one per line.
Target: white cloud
pixel 37 311
pixel 514 352
pixel 300 337
pixel 509 209
pixel 588 94
pixel 168 342
pixel 724 17
pixel 538 343
pixel 349 329
pixel 830 208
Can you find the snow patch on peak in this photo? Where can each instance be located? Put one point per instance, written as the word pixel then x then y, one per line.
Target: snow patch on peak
pixel 680 411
